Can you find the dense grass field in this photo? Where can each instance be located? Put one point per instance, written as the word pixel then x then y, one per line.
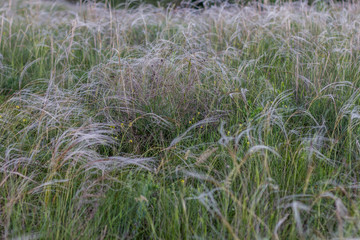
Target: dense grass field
pixel 227 122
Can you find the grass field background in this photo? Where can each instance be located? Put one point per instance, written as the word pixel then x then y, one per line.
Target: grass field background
pixel 229 122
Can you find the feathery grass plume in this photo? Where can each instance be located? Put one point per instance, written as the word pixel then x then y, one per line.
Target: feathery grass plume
pixel 230 121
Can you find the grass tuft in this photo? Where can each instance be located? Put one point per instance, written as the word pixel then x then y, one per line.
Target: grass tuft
pixel 226 122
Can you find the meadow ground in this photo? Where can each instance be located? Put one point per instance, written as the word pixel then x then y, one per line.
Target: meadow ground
pixel 226 122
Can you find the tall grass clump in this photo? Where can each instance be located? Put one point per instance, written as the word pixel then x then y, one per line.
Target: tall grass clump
pixel 226 122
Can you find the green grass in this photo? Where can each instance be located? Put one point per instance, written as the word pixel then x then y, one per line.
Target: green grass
pixel 152 123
